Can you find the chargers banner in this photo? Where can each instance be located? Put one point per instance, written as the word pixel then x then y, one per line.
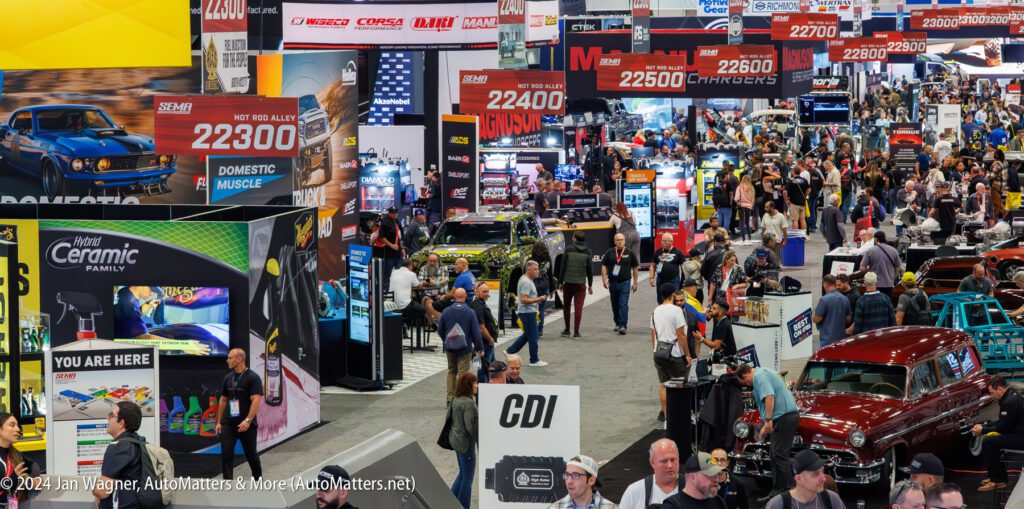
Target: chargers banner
pixel 226 126
pixel 629 75
pixel 540 92
pixel 225 43
pixel 412 25
pixel 249 180
pixel 459 156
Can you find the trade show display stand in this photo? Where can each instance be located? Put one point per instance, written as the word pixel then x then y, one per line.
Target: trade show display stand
pixel 784 333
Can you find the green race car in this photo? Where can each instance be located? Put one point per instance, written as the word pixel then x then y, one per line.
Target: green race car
pixel 496 245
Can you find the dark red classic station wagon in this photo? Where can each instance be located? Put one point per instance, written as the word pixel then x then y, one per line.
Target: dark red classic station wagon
pixel 870 402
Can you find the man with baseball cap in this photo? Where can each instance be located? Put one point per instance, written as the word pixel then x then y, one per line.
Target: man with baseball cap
pixel 332 488
pixel 701 485
pixel 926 469
pixel 809 492
pixel 496 372
pixel 581 483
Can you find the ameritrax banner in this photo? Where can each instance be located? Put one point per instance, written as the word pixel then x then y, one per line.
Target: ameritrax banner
pixel 540 92
pixel 227 125
pixel 459 156
pixel 858 49
pixel 805 27
pixel 630 75
pixel 935 19
pixel 225 43
pixel 739 60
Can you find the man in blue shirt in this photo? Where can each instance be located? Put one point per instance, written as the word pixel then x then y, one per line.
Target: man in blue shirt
pixel 464 280
pixel 832 314
pixel 998 137
pixel 778 409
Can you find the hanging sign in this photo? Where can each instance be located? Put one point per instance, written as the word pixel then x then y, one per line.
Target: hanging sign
pixel 741 60
pixel 643 72
pixel 858 49
pixel 541 92
pixel 805 27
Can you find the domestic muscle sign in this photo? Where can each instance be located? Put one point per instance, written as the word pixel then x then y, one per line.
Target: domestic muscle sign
pixel 540 92
pixel 641 73
pixel 904 43
pixel 738 60
pixel 935 19
pixel 858 49
pixel 227 125
pixel 805 27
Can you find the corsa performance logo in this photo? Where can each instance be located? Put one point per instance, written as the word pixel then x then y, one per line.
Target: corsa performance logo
pixel 435 24
pixel 89 252
pixel 379 23
pixel 321 22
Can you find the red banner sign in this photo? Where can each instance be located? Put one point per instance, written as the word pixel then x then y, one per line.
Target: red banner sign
pixel 935 19
pixel 737 60
pixel 511 12
pixel 541 92
pixel 641 72
pixel 808 26
pixel 640 7
pixel 1017 21
pixel 904 43
pixel 858 49
pixel 227 125
pixel 994 16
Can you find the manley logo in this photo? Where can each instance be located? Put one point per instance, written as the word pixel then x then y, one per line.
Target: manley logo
pixel 92 253
pixel 304 230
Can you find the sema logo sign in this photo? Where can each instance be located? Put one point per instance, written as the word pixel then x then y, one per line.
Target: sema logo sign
pixel 174 108
pixel 708 52
pixel 476 79
pixel 609 61
pixel 91 253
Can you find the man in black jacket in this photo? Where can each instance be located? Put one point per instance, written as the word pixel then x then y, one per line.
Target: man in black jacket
pixel 1010 427
pixel 332 488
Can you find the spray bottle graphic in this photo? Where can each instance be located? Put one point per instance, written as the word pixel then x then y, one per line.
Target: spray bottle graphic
pixel 193 417
pixel 272 367
pixel 176 418
pixel 81 304
pixel 209 426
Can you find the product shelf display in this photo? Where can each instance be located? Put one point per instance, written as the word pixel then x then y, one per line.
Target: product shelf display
pixel 774 328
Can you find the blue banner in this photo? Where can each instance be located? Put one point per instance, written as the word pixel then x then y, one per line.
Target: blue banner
pixel 250 180
pixel 800 327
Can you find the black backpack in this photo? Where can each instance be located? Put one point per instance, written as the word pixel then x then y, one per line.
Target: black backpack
pixel 918 314
pixel 157 467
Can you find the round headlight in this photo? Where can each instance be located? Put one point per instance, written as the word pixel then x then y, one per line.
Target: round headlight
pixel 103 164
pixel 741 429
pixel 164 160
pixel 857 438
pixel 77 165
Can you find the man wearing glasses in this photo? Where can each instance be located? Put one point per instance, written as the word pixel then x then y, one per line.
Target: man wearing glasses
pixel 581 483
pixel 122 461
pixel 906 495
pixel 733 494
pixel 945 496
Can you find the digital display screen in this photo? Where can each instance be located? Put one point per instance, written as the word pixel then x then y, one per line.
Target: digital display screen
pixel 568 172
pixel 178 320
pixel 824 109
pixel 1013 53
pixel 637 198
pixel 359 292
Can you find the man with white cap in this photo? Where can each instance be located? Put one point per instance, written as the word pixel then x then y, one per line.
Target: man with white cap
pixel 701 491
pixel 581 483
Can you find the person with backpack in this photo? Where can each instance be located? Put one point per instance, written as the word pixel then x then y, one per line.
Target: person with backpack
pixel 240 396
pixel 122 461
pixel 912 307
pixel 663 483
pixel 460 337
pixel 809 492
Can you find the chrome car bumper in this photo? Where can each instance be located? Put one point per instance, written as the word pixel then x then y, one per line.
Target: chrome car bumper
pixel 843 466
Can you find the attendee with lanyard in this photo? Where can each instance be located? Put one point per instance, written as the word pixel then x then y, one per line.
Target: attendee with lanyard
pixel 240 398
pixel 20 471
pixel 618 267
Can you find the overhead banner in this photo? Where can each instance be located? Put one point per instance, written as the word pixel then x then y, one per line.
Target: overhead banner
pixel 838 83
pixel 858 49
pixel 459 157
pixel 991 16
pixel 326 170
pixel 934 19
pixel 527 434
pixel 805 27
pixel 225 46
pixel 512 34
pixel 249 180
pixel 226 125
pixel 413 25
pixel 905 144
pixel 736 21
pixel 511 129
pixel 858 18
pixel 1016 20
pixel 72 34
pixel 742 60
pixel 84 381
pixel 904 43
pixel 629 75
pixel 539 92
pixel 792 77
pixel 641 13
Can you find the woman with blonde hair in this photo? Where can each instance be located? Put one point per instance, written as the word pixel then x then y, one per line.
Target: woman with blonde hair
pixel 744 199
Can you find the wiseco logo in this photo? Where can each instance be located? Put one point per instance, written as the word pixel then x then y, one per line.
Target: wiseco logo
pixel 479 22
pixel 175 108
pixel 321 22
pixel 435 24
pixel 478 79
pixel 709 52
pixel 609 61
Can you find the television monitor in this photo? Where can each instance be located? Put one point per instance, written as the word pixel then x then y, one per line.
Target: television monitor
pixel 178 320
pixel 823 109
pixel 1013 53
pixel 568 172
